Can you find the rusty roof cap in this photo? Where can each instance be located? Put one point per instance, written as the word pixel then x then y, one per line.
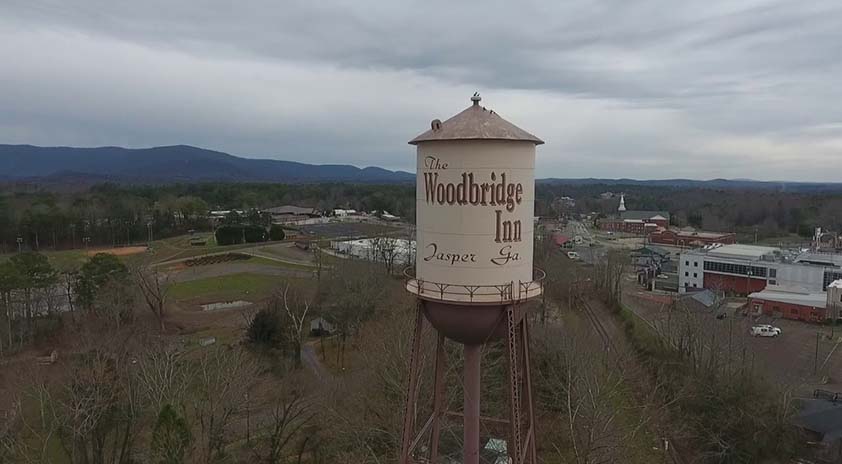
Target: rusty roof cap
pixel 475 123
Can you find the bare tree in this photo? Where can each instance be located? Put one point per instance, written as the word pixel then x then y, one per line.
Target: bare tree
pixel 153 286
pixel 95 409
pixel 163 375
pixel 26 439
pixel 581 382
pixel 386 249
pixel 224 375
pixel 296 310
pixel 351 295
pixel 289 415
pixel 608 275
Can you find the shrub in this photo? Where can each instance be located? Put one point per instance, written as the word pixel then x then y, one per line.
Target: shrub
pixel 229 235
pixel 171 437
pixel 255 234
pixel 265 329
pixel 276 232
pixel 233 234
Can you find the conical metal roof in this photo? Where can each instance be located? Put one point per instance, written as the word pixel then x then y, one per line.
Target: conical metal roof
pixel 475 123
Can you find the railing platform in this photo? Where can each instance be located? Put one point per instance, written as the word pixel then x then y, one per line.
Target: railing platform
pixel 504 293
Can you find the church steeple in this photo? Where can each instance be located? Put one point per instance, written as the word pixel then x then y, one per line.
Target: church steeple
pixel 622 203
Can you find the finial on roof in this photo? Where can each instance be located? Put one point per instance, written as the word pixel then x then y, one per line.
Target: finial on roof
pixel 476 98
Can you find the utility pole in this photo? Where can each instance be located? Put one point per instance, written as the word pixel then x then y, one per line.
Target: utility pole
pixel 248 420
pixel 816 359
pixel 748 281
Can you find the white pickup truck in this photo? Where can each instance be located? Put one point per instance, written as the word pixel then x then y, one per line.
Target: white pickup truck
pixel 765 330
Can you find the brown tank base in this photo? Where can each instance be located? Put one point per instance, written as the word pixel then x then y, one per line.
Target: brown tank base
pixel 467 324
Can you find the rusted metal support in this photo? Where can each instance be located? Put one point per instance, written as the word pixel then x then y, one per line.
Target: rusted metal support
pixel 412 389
pixel 532 457
pixel 438 399
pixel 471 386
pixel 513 350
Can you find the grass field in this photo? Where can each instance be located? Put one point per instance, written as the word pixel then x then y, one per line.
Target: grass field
pixel 162 250
pixel 246 286
pixel 281 264
pixel 65 260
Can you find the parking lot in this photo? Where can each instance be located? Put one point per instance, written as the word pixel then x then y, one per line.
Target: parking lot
pixel 347 229
pixel 804 357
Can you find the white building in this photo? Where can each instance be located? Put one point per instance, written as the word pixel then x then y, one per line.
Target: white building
pixel 834 299
pixel 344 212
pixel 745 269
pixel 402 251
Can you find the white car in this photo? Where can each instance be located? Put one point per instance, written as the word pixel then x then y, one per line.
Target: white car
pixel 765 330
pixel 573 255
pixel 771 327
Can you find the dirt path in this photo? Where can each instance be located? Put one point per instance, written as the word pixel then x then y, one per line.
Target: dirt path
pixel 311 360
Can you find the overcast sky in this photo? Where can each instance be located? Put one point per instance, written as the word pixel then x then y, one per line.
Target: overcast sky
pixel 644 89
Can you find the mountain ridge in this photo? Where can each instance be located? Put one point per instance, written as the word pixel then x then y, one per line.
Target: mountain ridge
pixel 174 163
pixel 189 164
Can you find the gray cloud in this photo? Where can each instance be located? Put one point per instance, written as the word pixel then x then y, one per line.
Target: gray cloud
pixel 646 89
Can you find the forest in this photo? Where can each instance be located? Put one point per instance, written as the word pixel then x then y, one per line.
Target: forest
pixel 113 215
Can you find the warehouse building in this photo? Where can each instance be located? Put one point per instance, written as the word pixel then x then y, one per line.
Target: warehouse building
pixel 691 239
pixel 745 269
pixel 790 303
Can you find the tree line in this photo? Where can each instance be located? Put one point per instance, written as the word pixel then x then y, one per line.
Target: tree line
pixel 771 213
pixel 115 215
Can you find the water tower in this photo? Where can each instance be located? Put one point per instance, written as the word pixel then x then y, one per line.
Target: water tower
pixel 475 211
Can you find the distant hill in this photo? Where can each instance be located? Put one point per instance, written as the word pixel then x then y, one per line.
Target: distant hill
pixel 63 166
pixel 179 163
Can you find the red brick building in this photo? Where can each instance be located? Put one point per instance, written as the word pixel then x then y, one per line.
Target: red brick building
pixel 742 285
pixel 690 239
pixel 790 304
pixel 636 222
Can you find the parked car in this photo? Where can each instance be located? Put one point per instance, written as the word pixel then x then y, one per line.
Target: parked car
pixel 771 327
pixel 764 331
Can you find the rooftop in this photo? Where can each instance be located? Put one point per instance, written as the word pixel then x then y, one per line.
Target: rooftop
pixel 644 215
pixel 475 123
pixel 706 298
pixel 791 296
pixel 821 416
pixel 700 234
pixel 741 251
pixel 820 259
pixel 289 209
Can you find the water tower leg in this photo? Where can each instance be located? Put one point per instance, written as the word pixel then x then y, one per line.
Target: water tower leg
pixel 473 356
pixel 412 390
pixel 532 457
pixel 438 400
pixel 513 348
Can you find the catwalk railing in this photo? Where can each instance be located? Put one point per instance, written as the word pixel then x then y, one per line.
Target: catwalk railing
pixel 509 292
